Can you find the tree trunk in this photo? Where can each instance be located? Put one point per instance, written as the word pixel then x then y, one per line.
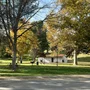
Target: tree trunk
pixel 14 51
pixel 20 59
pixel 75 57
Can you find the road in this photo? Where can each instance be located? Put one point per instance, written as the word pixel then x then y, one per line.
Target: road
pixel 53 83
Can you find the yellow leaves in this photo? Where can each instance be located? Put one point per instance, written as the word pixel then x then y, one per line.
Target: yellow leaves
pixel 8 51
pixel 88 1
pixel 79 1
pixel 26 41
pixel 63 11
pixel 62 1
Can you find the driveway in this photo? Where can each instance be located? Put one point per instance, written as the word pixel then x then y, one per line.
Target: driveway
pixel 46 83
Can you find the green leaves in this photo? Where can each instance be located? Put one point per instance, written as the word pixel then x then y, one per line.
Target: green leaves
pixel 72 22
pixel 40 31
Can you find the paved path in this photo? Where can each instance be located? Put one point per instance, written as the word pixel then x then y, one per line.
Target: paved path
pixel 46 83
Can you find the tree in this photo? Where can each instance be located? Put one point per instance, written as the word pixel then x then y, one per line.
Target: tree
pixel 72 21
pixel 3 42
pixel 26 42
pixel 43 43
pixel 11 13
pixel 74 15
pixel 53 33
pixel 40 32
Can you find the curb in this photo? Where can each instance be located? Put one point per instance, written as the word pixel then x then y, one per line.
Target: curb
pixel 44 77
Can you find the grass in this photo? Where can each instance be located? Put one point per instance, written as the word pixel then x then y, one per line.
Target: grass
pixel 84 58
pixel 43 70
pixel 26 69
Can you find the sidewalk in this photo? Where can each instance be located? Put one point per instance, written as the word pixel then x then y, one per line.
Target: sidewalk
pixel 44 77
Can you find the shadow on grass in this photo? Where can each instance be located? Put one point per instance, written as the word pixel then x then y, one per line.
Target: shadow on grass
pixel 54 70
pixel 43 70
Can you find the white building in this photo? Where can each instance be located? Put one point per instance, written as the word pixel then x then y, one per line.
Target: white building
pixel 53 59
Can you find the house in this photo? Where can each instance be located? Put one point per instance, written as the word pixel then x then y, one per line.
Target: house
pixel 53 59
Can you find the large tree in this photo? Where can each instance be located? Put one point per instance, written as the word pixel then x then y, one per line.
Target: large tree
pixel 11 13
pixel 73 21
pixel 40 30
pixel 26 42
pixel 75 16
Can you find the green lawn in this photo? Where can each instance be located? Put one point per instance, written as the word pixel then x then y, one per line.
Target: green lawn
pixel 43 70
pixel 26 69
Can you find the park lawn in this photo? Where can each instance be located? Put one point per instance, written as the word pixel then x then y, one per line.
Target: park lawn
pixel 26 69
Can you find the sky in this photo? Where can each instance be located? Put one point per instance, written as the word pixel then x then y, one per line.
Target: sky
pixel 44 12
